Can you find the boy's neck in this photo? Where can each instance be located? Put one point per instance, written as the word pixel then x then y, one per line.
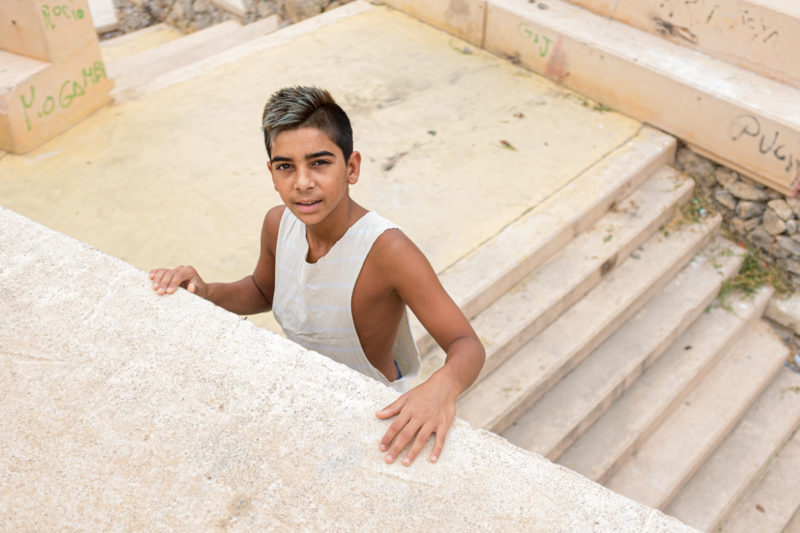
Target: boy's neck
pixel 322 236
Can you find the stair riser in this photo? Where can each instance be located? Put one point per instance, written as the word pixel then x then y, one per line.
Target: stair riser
pixel 741 460
pixel 676 401
pixel 694 430
pixel 687 319
pixel 749 34
pixel 464 19
pixel 512 341
pixel 501 423
pixel 671 406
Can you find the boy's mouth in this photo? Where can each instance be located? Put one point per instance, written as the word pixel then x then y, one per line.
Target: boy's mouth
pixel 306 206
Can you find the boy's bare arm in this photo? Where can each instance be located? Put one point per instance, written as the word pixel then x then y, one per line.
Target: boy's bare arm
pixel 251 294
pixel 430 407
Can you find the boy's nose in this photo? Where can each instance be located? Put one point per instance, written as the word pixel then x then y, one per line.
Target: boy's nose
pixel 305 180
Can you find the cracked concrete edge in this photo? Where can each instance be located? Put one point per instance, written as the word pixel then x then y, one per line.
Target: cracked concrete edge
pixel 785 311
pixel 127 410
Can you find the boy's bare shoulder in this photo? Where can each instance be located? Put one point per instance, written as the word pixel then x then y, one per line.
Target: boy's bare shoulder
pixel 272 223
pixel 394 251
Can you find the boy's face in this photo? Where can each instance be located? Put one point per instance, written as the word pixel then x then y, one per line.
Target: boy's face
pixel 310 174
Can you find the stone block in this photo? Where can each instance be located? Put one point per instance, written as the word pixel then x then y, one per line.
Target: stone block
pixel 726 177
pixel 726 199
pixel 781 208
pixel 45 30
pixel 747 191
pixel 462 18
pixel 773 223
pixel 747 209
pixel 53 73
pixel 42 100
pixel 789 244
pixel 754 34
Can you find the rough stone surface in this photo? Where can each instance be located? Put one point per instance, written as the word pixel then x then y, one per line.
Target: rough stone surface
pixel 789 244
pixel 781 208
pixel 192 15
pixel 748 191
pixel 127 411
pixel 794 203
pixel 726 177
pixel 776 234
pixel 726 199
pixel 773 224
pixel 747 209
pixel 761 238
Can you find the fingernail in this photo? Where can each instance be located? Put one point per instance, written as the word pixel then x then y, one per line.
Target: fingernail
pixel 383 447
pixel 406 461
pixel 433 458
pixel 389 458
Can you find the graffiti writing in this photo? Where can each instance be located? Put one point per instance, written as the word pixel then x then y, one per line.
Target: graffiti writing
pixel 529 35
pixel 744 21
pixel 769 141
pixel 68 91
pixel 60 12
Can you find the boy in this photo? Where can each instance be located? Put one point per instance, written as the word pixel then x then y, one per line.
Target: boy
pixel 338 277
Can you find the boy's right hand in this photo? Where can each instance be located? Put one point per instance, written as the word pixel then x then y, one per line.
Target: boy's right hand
pixel 167 281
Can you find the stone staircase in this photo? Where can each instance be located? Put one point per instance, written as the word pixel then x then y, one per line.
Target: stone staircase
pixel 608 351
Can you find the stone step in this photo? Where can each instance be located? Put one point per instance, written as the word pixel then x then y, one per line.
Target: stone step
pixel 794 524
pixel 47 31
pixel 774 502
pixel 599 452
pixel 138 41
pixel 674 452
pixel 141 69
pixel 537 300
pixel 759 35
pixel 569 408
pixel 745 121
pixel 739 461
pixel 496 401
pixel 493 268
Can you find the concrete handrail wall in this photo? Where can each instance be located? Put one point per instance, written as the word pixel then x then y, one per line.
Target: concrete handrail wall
pixel 122 410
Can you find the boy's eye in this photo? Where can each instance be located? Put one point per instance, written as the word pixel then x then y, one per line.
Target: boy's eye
pixel 284 166
pixel 319 162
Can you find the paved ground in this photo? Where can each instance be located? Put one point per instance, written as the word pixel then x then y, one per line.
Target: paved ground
pixel 456 143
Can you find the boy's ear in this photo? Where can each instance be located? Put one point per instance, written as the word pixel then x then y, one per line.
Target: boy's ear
pixel 353 168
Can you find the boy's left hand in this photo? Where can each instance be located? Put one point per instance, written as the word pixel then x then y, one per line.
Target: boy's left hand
pixel 426 409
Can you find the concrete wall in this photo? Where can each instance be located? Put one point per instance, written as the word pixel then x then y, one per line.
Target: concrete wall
pixel 125 411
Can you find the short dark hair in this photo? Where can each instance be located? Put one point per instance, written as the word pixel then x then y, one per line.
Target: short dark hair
pixel 311 107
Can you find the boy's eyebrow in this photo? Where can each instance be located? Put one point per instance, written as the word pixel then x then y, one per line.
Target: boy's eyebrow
pixel 323 153
pixel 320 154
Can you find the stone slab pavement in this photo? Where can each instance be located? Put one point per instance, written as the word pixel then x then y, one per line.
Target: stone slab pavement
pixel 456 145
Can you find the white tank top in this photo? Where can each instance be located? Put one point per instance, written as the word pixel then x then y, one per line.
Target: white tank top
pixel 312 301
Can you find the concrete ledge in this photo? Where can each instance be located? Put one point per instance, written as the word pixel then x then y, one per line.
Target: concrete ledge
pixel 463 18
pixel 785 311
pixel 759 35
pixel 736 117
pixel 130 411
